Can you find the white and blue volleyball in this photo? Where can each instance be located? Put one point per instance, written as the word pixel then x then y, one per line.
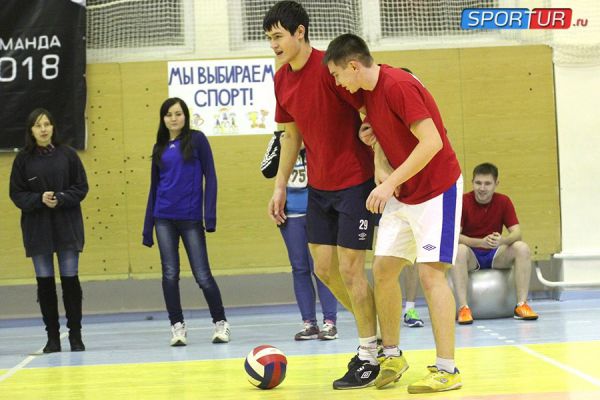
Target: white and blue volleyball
pixel 265 366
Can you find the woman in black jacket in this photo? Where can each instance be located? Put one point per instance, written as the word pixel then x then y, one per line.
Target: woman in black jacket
pixel 48 183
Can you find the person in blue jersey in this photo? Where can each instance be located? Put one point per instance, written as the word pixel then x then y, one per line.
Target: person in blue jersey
pixel 295 236
pixel 48 184
pixel 182 203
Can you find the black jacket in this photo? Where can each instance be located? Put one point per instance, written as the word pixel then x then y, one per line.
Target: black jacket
pixel 46 230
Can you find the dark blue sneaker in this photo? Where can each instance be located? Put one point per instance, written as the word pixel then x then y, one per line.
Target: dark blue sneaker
pixel 412 319
pixel 360 374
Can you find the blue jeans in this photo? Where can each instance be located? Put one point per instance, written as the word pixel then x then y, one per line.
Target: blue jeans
pixel 168 232
pixel 68 264
pixel 296 241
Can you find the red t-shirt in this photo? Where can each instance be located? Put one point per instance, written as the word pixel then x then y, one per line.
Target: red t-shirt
pixel 398 100
pixel 327 118
pixel 479 220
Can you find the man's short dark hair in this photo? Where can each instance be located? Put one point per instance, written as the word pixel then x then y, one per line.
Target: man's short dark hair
pixel 348 47
pixel 486 169
pixel 289 14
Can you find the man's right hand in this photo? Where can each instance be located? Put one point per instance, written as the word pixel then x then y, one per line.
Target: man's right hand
pixel 277 206
pixel 492 241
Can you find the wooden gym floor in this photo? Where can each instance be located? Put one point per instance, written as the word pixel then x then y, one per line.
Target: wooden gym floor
pixel 128 357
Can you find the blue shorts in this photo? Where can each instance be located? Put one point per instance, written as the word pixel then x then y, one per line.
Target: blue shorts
pixel 340 217
pixel 485 257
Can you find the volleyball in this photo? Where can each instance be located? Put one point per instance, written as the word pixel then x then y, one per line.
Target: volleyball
pixel 265 366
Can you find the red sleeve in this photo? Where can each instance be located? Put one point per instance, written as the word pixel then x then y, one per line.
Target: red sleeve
pixel 281 115
pixel 405 100
pixel 510 215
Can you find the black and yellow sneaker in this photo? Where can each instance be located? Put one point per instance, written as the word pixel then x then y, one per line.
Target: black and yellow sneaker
pixel 361 373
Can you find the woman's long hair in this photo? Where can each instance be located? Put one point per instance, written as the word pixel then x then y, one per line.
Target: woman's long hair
pixel 162 136
pixel 32 118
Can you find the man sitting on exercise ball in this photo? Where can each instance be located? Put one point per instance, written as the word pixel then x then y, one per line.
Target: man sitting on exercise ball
pixel 481 244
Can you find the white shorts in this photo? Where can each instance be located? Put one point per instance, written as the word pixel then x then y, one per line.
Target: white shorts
pixel 427 232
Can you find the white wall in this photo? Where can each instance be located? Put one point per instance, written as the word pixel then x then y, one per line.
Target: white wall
pixel 578 119
pixel 216 22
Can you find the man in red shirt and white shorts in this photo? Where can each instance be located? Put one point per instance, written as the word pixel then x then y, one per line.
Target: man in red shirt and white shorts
pixel 420 202
pixel 481 244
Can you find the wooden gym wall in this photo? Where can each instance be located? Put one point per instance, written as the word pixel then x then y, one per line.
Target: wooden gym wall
pixel 497 104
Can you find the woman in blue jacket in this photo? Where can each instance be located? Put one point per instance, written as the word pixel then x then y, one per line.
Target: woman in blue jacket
pixel 182 204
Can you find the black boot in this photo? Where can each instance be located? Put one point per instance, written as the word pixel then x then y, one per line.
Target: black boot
pixel 75 341
pixel 46 288
pixel 53 343
pixel 72 298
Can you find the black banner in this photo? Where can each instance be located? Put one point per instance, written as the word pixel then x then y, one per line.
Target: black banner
pixel 42 64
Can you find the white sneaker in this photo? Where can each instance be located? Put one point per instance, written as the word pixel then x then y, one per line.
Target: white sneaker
pixel 328 332
pixel 178 334
pixel 222 332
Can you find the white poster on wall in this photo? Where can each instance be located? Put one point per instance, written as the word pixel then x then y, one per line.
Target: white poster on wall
pixel 226 97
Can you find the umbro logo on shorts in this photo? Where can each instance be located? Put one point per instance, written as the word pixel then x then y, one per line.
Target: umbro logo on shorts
pixel 362 236
pixel 429 247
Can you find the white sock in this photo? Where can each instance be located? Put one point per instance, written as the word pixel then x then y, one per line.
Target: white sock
pixel 367 350
pixel 445 364
pixel 409 306
pixel 391 351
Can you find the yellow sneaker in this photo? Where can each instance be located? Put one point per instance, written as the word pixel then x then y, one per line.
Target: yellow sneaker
pixel 390 370
pixel 436 381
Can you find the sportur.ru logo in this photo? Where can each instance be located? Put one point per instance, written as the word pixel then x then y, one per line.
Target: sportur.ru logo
pixel 518 18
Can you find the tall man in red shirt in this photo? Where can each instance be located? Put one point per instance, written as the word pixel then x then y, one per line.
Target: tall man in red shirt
pixel 340 175
pixel 481 244
pixel 420 202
